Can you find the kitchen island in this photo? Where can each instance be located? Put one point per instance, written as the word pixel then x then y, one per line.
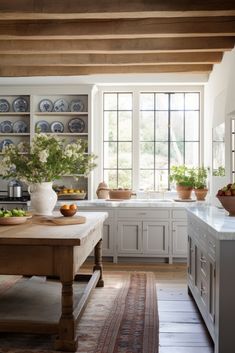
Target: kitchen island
pixel 211 264
pixel 42 249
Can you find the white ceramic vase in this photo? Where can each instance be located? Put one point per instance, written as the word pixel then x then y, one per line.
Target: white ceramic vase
pixel 43 198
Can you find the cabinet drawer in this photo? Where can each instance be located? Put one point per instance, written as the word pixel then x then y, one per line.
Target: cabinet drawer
pixel 179 214
pixel 97 209
pixel 144 214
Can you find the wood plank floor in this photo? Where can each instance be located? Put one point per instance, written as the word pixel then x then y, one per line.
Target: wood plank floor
pixel 181 327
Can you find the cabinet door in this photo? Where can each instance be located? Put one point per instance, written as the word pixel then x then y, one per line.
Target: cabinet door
pixel 156 238
pixel 107 244
pixel 130 237
pixel 179 238
pixel 191 261
pixel 211 289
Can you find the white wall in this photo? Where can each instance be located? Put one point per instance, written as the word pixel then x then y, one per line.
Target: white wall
pixel 219 108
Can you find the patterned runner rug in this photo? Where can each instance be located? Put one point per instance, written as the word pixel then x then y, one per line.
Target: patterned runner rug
pixel 122 317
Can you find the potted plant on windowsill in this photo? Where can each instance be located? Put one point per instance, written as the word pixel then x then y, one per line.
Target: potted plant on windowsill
pixel 183 176
pixel 200 183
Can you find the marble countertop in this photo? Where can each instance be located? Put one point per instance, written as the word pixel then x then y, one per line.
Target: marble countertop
pixel 218 221
pixel 130 203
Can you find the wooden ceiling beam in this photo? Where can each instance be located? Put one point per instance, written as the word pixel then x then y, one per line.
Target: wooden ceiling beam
pixel 14 71
pixel 142 28
pixel 88 9
pixel 117 46
pixel 109 59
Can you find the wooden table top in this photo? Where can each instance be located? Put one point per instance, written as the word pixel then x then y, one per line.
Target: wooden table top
pixel 35 232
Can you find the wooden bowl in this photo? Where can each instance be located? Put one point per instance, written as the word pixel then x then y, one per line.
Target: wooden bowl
pixel 120 194
pixel 228 202
pixel 67 213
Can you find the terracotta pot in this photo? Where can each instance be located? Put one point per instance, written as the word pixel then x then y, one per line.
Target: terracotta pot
pixel 184 192
pixel 120 194
pixel 200 194
pixel 228 202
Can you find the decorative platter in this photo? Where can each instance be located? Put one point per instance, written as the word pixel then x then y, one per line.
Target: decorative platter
pixel 76 125
pixel 42 126
pixel 76 106
pixel 6 127
pixel 46 105
pixel 5 143
pixel 57 126
pixel 4 106
pixel 10 221
pixel 20 105
pixel 61 105
pixel 20 127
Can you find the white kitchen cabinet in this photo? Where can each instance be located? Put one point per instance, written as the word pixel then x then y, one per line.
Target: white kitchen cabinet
pixel 156 238
pixel 107 245
pixel 179 239
pixel 143 232
pixel 130 240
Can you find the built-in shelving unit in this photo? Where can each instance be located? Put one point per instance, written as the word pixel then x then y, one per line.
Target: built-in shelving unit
pixel 67 116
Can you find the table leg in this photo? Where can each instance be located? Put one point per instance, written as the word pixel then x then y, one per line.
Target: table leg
pixel 98 263
pixel 66 340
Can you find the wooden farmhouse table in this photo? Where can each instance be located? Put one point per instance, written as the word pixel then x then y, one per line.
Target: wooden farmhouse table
pixel 38 249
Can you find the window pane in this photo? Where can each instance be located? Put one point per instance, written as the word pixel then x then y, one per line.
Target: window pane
pixel 110 126
pixel 177 101
pixel 110 155
pixel 125 126
pixel 125 101
pixel 176 155
pixel 191 154
pixel 124 179
pixel 110 177
pixel 147 101
pixel 218 154
pixel 161 177
pixel 161 155
pixel 177 126
pixel 147 155
pixel 192 101
pixel 191 126
pixel 161 126
pixel 147 126
pixel 147 179
pixel 124 155
pixel 110 101
pixel 162 101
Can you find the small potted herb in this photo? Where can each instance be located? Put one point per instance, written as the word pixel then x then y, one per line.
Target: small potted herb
pixel 200 183
pixel 183 177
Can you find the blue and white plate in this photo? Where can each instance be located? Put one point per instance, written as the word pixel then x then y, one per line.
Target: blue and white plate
pixel 20 105
pixel 57 126
pixel 76 106
pixel 6 127
pixel 76 125
pixel 20 127
pixel 42 126
pixel 46 105
pixel 5 143
pixel 61 105
pixel 4 106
